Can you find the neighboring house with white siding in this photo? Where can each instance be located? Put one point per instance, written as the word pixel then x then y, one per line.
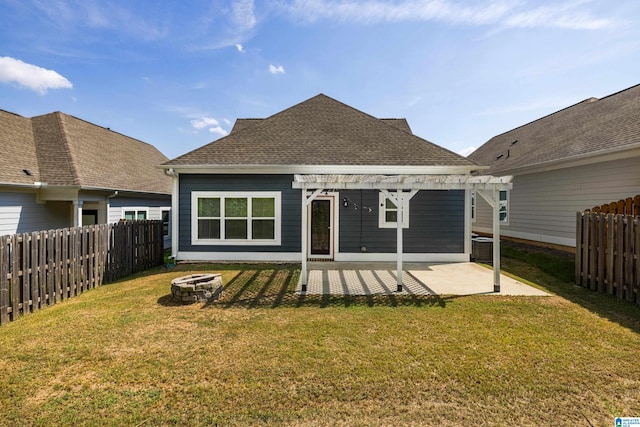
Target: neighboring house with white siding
pixel 58 171
pixel 571 160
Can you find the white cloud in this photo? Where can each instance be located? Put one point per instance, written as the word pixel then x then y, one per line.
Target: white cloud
pixel 240 47
pixel 466 151
pixel 243 14
pixel 561 15
pixel 508 13
pixel 204 122
pixel 218 130
pixel 276 70
pixel 31 76
pixel 209 123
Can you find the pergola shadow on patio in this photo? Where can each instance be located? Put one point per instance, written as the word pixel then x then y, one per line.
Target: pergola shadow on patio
pixel 352 278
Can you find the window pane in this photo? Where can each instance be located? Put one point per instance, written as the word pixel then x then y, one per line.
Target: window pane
pixel 391 216
pixel 235 207
pixel 142 215
pixel 263 229
pixel 503 195
pixel 208 229
pixel 235 228
pixel 130 215
pixel 209 207
pixel 389 204
pixel 263 207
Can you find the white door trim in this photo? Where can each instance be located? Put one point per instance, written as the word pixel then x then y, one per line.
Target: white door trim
pixel 332 197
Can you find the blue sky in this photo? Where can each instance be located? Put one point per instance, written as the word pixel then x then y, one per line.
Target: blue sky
pixel 177 76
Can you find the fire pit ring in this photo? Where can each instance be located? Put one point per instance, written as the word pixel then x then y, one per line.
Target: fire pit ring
pixel 196 288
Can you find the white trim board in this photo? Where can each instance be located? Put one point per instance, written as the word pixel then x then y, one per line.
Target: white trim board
pixel 295 257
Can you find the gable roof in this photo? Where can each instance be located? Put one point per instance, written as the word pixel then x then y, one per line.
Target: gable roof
pixel 321 131
pixel 18 161
pixel 588 128
pixel 62 150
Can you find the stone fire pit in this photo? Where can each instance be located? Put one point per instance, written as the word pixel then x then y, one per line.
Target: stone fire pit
pixel 196 288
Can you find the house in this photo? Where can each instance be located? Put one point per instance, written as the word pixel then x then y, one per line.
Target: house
pixel 324 181
pixel 58 171
pixel 571 160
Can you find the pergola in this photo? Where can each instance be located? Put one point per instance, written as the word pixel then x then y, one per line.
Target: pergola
pixel 401 188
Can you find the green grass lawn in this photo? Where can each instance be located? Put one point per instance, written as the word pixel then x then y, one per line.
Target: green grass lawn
pixel 125 354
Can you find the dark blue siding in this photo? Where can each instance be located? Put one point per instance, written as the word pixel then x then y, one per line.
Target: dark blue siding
pixel 291 215
pixel 436 223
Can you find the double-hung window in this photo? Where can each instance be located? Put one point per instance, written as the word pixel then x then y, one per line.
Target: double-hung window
pixel 235 218
pixel 388 214
pixel 135 214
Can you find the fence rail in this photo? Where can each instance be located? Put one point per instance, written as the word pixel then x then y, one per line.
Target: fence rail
pixel 42 268
pixel 608 254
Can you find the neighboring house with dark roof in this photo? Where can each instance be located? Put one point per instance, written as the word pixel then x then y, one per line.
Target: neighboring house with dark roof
pixel 322 180
pixel 576 158
pixel 58 171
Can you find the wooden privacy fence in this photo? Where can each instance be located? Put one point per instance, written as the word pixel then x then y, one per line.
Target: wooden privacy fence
pixel 628 206
pixel 45 267
pixel 608 254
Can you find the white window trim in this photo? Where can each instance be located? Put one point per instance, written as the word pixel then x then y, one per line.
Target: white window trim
pixel 505 204
pixel 136 209
pixel 168 210
pixel 382 223
pixel 195 195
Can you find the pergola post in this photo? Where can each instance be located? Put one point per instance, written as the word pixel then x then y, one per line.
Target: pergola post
pixel 303 250
pixel 399 248
pixel 303 243
pixel 493 199
pixel 496 240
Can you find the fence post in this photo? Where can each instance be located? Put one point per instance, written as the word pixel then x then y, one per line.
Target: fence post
pixel 579 248
pixel 4 280
pixel 26 277
pixel 619 256
pixel 610 252
pixel 628 256
pixel 636 246
pixel 33 266
pixel 15 277
pixel 601 253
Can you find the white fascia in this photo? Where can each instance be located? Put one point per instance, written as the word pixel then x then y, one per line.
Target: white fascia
pixel 325 169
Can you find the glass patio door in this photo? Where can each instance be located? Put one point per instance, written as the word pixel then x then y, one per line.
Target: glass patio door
pixel 321 229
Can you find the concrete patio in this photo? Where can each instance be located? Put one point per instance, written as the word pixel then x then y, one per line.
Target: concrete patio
pixel 466 278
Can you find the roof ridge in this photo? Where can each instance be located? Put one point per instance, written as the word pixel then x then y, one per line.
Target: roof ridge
pixel 587 100
pixel 104 127
pixel 620 91
pixel 69 152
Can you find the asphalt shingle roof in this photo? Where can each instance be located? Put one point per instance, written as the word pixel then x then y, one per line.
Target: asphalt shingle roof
pixel 321 131
pixel 18 150
pixel 62 150
pixel 589 127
